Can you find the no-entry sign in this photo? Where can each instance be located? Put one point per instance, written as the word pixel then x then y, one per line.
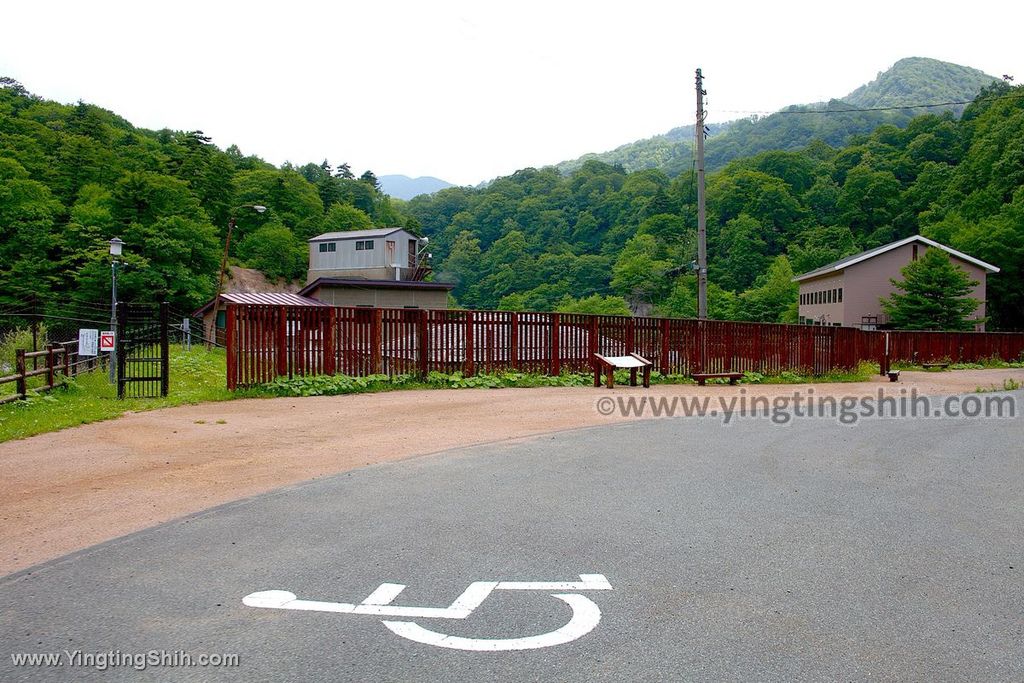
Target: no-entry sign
pixel 106 342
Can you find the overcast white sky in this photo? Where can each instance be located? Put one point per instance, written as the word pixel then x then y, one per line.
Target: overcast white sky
pixel 469 90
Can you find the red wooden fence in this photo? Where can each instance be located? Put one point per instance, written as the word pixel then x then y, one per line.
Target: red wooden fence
pixel 265 342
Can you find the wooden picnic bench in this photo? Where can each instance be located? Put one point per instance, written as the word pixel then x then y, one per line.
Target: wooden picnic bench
pixel 929 366
pixel 702 377
pixel 610 363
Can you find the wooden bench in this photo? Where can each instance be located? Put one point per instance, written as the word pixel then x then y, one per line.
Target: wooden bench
pixel 894 375
pixel 702 377
pixel 610 363
pixel 929 366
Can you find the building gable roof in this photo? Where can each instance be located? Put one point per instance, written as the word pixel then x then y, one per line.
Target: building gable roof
pixel 848 261
pixel 357 234
pixel 356 283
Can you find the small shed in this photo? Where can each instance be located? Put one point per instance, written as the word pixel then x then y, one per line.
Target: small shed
pixel 214 317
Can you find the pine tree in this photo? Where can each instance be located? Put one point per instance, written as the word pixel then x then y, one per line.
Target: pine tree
pixel 935 296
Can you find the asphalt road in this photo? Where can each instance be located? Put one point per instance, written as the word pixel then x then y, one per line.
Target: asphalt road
pixel 752 551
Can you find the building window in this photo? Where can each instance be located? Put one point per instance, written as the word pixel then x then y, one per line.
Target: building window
pixel 364 245
pixel 328 246
pixel 840 290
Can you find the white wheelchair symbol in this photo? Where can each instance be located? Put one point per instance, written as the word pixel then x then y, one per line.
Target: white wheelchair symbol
pixel 585 614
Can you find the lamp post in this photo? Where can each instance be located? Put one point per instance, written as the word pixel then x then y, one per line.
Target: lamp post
pixel 212 331
pixel 116 245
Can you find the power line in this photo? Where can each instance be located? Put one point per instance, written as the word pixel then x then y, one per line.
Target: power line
pixel 854 110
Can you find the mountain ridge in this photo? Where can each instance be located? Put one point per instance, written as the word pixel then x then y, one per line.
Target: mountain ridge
pixel 405 187
pixel 909 81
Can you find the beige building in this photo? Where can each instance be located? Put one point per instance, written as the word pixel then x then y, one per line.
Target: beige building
pixel 378 293
pixel 847 292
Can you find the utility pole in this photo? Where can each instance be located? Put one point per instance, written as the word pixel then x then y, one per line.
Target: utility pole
pixel 702 227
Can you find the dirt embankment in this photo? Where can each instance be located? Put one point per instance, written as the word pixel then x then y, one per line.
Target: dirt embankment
pixel 68 490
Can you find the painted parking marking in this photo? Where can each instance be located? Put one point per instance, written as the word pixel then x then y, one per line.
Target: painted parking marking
pixel 585 613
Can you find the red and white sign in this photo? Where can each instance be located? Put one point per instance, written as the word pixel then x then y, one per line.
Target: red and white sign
pixel 106 342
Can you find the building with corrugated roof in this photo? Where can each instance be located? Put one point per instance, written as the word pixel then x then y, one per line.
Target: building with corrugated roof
pixel 216 315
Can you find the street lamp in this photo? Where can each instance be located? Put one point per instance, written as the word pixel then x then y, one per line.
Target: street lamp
pixel 116 245
pixel 210 333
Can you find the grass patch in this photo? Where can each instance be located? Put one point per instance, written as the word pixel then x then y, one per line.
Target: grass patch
pixel 334 385
pixel 862 373
pixel 197 376
pixel 983 364
pixel 1009 384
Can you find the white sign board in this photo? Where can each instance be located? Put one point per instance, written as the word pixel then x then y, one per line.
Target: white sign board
pixel 106 342
pixel 88 342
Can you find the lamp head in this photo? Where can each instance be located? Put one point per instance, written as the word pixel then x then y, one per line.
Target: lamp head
pixel 116 245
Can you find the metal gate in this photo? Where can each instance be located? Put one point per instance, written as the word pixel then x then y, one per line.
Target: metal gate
pixel 143 369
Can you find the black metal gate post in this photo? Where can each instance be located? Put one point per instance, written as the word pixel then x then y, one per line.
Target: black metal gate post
pixel 143 359
pixel 165 356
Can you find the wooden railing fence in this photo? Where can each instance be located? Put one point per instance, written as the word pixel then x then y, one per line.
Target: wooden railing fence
pixel 59 361
pixel 266 342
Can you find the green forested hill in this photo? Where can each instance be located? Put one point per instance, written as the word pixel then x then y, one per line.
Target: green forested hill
pixel 670 152
pixel 919 79
pixel 540 240
pixel 911 81
pixel 74 176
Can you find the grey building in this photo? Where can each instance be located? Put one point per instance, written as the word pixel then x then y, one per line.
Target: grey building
pixel 383 268
pixel 381 254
